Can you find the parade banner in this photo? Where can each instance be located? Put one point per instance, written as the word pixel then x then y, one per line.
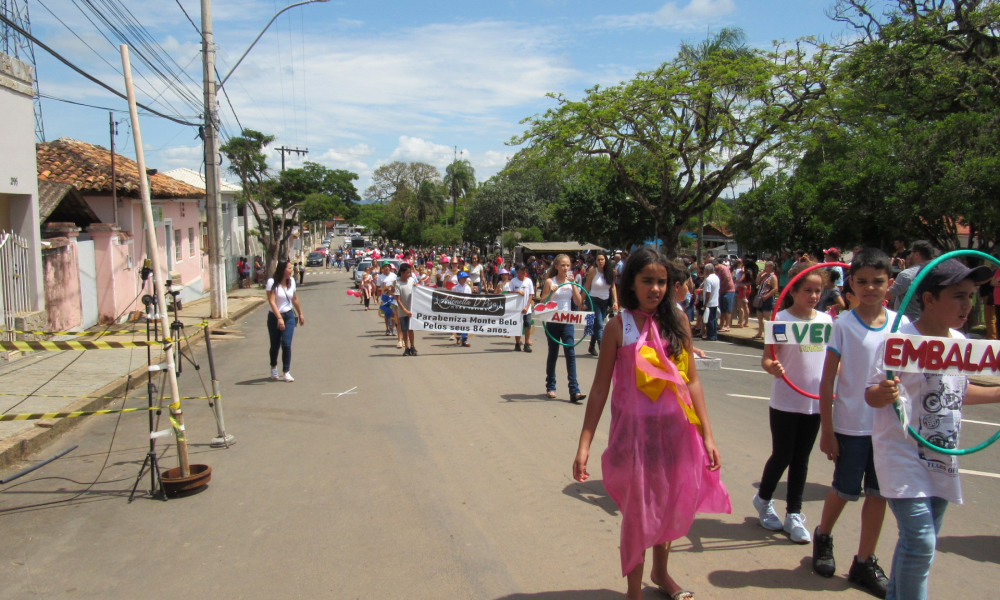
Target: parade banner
pixel 941 356
pixel 793 332
pixel 548 313
pixel 448 312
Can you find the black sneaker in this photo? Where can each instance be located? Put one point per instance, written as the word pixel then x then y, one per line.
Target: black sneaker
pixel 517 347
pixel 869 575
pixel 413 351
pixel 527 348
pixel 823 561
pixel 406 352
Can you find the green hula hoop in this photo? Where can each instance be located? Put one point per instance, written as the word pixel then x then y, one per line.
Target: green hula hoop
pixel 895 326
pixel 590 303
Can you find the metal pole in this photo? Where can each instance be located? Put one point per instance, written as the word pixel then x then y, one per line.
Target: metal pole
pixel 159 275
pixel 114 181
pixel 213 205
pixel 223 439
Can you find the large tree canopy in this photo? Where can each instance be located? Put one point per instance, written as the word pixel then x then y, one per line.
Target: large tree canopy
pixel 674 151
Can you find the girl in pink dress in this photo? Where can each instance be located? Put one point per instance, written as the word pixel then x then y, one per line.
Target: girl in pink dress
pixel 661 466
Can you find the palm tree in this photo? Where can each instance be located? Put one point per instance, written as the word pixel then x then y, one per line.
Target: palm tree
pixel 730 44
pixel 460 179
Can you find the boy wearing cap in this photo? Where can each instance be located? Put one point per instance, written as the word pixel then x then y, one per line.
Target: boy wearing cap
pixel 524 286
pixel 385 282
pixel 918 483
pixel 836 273
pixel 463 287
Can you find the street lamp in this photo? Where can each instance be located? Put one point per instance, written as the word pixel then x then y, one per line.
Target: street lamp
pixel 213 205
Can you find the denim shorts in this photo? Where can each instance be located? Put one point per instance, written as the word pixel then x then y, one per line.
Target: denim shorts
pixel 404 323
pixel 527 321
pixel 856 462
pixel 726 302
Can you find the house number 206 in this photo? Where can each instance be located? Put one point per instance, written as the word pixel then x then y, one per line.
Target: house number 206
pixel 13 180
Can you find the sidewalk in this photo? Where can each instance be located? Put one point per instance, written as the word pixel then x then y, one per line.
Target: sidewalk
pixel 74 378
pixel 741 336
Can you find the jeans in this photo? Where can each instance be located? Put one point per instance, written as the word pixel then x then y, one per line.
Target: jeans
pixel 712 325
pixel 282 339
pixel 792 438
pixel 563 333
pixel 600 307
pixel 726 302
pixel 919 521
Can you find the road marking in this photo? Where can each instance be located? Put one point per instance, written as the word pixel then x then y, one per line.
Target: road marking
pixel 981 422
pixel 760 371
pixel 339 394
pixel 751 397
pixel 733 354
pixel 980 473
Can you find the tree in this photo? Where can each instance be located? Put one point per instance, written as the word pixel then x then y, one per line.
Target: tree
pixel 276 219
pixel 460 179
pixel 429 200
pixel 594 206
pixel 389 179
pixel 675 158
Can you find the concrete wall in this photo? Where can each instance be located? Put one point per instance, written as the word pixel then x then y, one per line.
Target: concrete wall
pixel 62 285
pixel 18 171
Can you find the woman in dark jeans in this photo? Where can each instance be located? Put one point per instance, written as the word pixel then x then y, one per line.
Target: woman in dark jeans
pixel 285 311
pixel 600 284
pixel 566 298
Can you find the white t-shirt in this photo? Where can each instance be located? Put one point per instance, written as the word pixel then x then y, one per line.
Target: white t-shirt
pixel 523 286
pixel 282 295
pixel 476 273
pixel 505 287
pixel 462 288
pixel 386 280
pixel 562 296
pixel 711 290
pixel 857 345
pixel 904 468
pixel 803 365
pixel 599 287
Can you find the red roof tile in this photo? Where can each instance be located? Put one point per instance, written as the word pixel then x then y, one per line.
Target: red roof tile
pixel 88 168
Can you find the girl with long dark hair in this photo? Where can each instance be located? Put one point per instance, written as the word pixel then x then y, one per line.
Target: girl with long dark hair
pixel 661 465
pixel 566 297
pixel 600 284
pixel 285 312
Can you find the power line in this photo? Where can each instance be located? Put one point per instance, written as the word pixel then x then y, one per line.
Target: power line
pixel 198 31
pixel 60 58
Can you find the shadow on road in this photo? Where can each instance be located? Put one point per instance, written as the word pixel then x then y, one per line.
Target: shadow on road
pixel 801 578
pixel 713 535
pixel 258 381
pixel 980 548
pixel 592 492
pixel 814 492
pixel 570 595
pixel 526 398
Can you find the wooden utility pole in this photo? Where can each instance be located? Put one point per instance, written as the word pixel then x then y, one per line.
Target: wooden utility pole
pixel 213 202
pixel 159 275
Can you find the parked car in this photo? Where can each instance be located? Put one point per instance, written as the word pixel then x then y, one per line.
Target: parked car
pixel 315 259
pixel 359 271
pixel 322 250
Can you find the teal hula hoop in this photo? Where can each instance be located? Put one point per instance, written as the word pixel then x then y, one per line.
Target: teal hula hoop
pixel 895 326
pixel 590 303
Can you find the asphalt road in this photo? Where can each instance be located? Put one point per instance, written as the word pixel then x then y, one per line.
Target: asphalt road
pixel 446 475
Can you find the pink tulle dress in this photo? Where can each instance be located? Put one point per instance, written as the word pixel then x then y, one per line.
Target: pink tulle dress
pixel 655 466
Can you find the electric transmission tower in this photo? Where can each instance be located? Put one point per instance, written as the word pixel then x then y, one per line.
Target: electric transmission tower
pixel 14 44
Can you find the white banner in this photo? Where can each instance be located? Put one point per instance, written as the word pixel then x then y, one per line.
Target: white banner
pixel 448 312
pixel 795 332
pixel 548 313
pixel 941 356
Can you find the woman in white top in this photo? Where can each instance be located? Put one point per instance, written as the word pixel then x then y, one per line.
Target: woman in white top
pixel 566 297
pixel 475 270
pixel 603 294
pixel 282 318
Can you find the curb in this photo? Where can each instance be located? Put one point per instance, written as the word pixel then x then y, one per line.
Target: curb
pixel 741 341
pixel 19 447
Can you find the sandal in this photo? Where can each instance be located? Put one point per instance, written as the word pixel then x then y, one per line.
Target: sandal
pixel 550 394
pixel 757 337
pixel 678 595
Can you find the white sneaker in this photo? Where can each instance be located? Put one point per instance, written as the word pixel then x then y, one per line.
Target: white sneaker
pixel 274 373
pixel 765 510
pixel 795 525
pixel 288 377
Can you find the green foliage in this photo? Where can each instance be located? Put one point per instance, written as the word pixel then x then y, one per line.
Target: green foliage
pixel 460 180
pixel 678 136
pixel 442 236
pixel 595 207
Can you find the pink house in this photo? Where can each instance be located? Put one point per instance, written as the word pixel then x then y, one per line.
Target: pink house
pixel 119 239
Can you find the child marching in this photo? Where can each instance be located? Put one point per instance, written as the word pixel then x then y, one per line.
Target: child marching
pixel 794 417
pixel 661 465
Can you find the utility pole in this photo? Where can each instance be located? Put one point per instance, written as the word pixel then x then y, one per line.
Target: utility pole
pixel 114 180
pixel 283 150
pixel 213 204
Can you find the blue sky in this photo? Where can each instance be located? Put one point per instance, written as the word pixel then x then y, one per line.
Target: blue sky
pixel 365 83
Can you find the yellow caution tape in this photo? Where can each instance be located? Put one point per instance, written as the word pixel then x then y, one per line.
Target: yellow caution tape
pixel 86 413
pixel 74 345
pixel 100 397
pixel 201 325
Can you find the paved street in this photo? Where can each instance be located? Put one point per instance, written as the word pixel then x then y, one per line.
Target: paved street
pixel 446 475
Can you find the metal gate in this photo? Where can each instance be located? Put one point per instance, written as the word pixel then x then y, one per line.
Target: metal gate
pixel 14 264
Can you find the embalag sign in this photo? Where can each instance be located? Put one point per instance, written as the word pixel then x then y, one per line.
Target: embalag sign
pixel 942 356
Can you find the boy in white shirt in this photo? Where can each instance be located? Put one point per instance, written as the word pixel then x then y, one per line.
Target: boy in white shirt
pixel 524 286
pixel 846 429
pixel 463 287
pixel 917 482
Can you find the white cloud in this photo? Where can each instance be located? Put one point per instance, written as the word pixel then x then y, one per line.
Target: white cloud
pixel 179 156
pixel 350 158
pixel 696 14
pixel 414 149
pixel 491 160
